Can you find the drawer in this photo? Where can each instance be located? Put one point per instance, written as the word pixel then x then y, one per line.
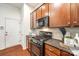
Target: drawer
pixel 49 53
pixel 63 53
pixel 52 49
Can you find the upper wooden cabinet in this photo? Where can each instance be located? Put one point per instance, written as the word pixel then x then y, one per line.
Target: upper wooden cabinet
pixel 59 15
pixel 45 8
pixel 38 13
pixel 33 19
pixel 74 14
pixel 34 16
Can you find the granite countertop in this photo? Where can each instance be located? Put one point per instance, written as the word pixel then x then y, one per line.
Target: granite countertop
pixel 56 43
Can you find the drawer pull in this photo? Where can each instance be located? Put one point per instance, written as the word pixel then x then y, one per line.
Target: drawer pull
pixel 68 23
pixel 75 22
pixel 50 49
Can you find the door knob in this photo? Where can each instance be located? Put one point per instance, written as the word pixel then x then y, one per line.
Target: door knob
pixel 6 33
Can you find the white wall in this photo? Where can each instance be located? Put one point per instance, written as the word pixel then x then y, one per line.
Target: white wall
pixel 8 11
pixel 25 24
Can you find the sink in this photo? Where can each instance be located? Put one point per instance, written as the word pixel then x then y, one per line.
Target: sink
pixel 75 51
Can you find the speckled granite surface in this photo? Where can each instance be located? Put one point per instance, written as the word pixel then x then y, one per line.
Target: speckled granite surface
pixel 56 43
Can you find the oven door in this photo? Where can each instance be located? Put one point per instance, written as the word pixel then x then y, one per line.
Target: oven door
pixel 36 50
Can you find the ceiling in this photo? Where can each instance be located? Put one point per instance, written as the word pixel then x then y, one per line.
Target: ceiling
pixel 33 5
pixel 19 5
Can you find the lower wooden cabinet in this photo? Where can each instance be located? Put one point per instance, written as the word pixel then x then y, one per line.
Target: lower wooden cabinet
pixel 49 53
pixel 63 53
pixel 53 51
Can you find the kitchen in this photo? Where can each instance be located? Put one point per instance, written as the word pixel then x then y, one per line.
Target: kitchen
pixel 45 29
pixel 58 25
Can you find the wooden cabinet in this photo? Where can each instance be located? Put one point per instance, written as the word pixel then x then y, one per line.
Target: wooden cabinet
pixel 49 53
pixel 59 15
pixel 45 8
pixel 63 53
pixel 38 13
pixel 49 50
pixel 53 51
pixel 74 14
pixel 33 19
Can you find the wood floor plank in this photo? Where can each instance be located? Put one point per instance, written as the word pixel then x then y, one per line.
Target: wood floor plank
pixel 14 51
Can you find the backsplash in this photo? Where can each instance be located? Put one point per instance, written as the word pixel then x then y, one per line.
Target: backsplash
pixel 73 31
pixel 57 33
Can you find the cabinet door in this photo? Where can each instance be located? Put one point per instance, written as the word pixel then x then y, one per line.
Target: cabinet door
pixel 59 15
pixel 38 13
pixel 52 49
pixel 34 19
pixel 45 9
pixel 75 14
pixel 31 21
pixel 63 53
pixel 49 53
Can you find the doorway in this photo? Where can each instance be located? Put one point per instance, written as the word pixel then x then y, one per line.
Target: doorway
pixel 10 34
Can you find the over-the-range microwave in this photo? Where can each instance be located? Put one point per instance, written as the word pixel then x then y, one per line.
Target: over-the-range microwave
pixel 43 22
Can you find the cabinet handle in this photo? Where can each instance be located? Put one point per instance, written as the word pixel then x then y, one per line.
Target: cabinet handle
pixel 50 49
pixel 68 23
pixel 75 22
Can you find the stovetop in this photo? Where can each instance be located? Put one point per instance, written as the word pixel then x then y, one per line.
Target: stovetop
pixel 43 36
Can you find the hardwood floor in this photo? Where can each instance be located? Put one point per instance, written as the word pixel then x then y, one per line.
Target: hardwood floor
pixel 14 51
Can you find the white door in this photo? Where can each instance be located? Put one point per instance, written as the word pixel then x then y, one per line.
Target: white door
pixel 2 33
pixel 12 32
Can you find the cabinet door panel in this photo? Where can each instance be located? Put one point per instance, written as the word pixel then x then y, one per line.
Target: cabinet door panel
pixel 31 21
pixel 59 15
pixel 78 14
pixel 45 9
pixel 34 19
pixel 38 13
pixel 75 14
pixel 63 53
pixel 52 49
pixel 48 53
